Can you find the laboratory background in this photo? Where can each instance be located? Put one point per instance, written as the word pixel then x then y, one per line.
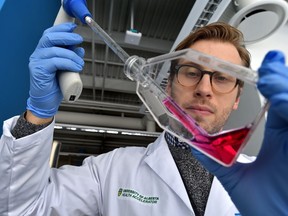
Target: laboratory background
pixel 109 114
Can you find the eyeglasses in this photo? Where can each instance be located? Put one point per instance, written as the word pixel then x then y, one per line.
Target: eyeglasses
pixel 189 75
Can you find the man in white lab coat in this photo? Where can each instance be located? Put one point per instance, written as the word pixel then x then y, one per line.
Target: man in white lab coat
pixel 162 179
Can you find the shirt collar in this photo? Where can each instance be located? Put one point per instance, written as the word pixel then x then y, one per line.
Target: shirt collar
pixel 174 141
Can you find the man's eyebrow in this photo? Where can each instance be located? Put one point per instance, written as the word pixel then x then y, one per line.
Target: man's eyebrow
pixel 192 64
pixel 196 65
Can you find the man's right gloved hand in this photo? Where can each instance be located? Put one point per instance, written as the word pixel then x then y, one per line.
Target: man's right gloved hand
pixel 260 187
pixel 56 51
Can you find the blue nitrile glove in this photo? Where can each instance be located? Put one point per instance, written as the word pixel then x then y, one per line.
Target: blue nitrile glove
pixel 56 51
pixel 260 187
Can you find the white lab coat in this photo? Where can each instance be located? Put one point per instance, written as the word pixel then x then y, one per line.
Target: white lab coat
pixel 133 181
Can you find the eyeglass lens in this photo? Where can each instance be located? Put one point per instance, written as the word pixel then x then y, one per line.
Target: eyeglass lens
pixel 189 75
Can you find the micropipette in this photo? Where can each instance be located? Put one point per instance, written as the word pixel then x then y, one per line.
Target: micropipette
pixel 69 82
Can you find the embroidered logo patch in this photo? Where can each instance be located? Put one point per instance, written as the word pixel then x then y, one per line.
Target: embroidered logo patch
pixel 129 193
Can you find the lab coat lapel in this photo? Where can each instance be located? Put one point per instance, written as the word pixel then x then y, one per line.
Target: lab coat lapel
pixel 162 163
pixel 219 202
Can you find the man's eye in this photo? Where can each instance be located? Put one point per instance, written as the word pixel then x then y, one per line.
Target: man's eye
pixel 219 77
pixel 192 74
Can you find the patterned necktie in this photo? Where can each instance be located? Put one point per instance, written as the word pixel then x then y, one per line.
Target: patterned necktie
pixel 196 178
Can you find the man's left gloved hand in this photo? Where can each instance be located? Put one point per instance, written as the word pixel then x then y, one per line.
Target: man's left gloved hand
pixel 260 187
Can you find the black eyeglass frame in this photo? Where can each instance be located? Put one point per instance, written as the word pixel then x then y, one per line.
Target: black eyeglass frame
pixel 203 72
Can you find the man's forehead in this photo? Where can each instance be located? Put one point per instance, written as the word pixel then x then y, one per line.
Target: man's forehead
pixel 192 63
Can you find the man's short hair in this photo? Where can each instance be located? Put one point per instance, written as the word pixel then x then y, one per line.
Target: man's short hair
pixel 217 31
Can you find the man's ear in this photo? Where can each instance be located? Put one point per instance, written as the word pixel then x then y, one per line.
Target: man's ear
pixel 168 87
pixel 237 101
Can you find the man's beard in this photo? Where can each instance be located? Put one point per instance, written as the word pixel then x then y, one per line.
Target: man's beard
pixel 217 124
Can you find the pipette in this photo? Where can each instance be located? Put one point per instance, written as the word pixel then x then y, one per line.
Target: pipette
pixel 107 39
pixel 132 68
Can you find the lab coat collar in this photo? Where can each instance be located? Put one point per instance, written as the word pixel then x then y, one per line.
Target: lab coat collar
pixel 162 163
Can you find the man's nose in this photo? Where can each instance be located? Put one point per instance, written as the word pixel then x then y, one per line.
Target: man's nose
pixel 203 88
